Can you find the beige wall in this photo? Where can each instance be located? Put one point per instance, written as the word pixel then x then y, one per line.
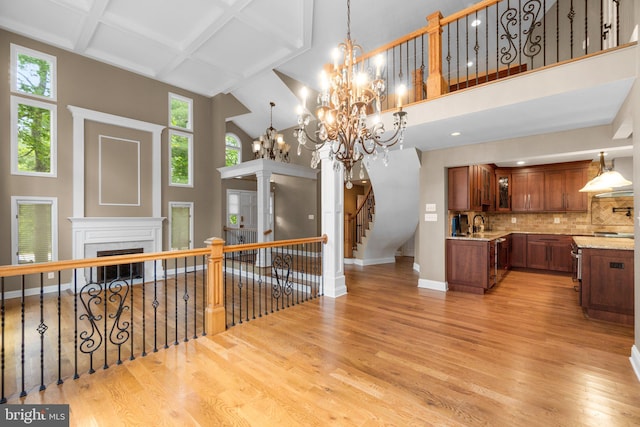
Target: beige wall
pixel 94 85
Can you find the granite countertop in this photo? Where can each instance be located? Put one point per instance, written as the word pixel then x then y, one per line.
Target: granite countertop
pixel 491 235
pixel 620 243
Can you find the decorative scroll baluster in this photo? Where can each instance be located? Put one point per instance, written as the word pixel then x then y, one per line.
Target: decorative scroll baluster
pixel 530 12
pixel 90 296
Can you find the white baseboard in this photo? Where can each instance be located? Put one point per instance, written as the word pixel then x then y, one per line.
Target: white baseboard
pixel 374 261
pixel 635 360
pixel 335 287
pixel 349 260
pixel 433 285
pixel 416 267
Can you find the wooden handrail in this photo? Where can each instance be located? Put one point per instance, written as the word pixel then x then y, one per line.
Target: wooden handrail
pixel 267 232
pixel 364 200
pixel 263 245
pixel 468 11
pixel 24 269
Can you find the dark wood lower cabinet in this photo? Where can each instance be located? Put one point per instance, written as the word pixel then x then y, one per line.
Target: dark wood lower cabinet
pixel 470 265
pixel 518 250
pixel 607 284
pixel 549 252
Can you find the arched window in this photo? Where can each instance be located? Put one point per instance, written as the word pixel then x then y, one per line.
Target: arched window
pixel 233 150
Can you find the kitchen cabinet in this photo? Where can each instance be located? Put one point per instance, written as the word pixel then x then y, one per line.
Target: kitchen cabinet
pixel 518 250
pixel 503 190
pixel 471 188
pixel 607 284
pixel 549 252
pixel 470 265
pixel 527 190
pixel 561 190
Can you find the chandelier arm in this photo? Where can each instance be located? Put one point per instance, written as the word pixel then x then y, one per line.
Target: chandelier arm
pixel 387 142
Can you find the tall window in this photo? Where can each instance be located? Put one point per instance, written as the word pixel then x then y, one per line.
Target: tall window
pixel 233 150
pixel 180 225
pixel 181 155
pixel 180 112
pixel 33 112
pixel 34 236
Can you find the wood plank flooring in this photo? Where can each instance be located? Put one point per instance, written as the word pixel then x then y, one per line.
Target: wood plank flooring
pixel 388 353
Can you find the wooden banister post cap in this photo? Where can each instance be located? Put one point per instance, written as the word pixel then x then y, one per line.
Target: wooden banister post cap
pixel 211 241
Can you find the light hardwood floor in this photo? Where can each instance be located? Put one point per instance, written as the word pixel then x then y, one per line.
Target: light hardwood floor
pixel 387 353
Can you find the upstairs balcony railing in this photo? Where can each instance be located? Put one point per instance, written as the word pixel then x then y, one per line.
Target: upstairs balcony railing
pixel 495 39
pixel 59 320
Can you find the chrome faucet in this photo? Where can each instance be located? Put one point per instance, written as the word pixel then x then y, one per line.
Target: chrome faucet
pixel 475 228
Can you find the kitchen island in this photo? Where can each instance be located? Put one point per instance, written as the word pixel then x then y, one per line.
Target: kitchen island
pixel 606 268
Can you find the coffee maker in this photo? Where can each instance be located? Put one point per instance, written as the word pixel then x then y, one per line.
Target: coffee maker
pixel 460 225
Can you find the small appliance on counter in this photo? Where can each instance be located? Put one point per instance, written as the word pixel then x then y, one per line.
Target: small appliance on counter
pixel 460 225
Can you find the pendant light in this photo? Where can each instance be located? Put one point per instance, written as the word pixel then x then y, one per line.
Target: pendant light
pixel 605 180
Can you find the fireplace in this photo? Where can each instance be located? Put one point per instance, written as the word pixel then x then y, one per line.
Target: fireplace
pixel 117 236
pixel 120 271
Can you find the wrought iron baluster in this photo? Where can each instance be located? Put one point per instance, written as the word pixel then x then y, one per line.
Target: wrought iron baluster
pixel 205 260
pixel 557 31
pixel 131 356
pixel 571 15
pixel 253 291
pixel 186 297
pixel 166 305
pixel 42 328
pixel 118 291
pixel 155 304
pixel 195 297
pixel 586 28
pixel 175 300
pixel 75 322
pixel 22 343
pixel 3 398
pixel 106 313
pixel 60 381
pixel 530 12
pixel 90 340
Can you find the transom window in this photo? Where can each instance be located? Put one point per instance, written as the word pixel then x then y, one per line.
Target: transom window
pixel 180 112
pixel 233 150
pixel 33 73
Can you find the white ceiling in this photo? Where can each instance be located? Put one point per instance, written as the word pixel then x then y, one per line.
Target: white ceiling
pixel 233 46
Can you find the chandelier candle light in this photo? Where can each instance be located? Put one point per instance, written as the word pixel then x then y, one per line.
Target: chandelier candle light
pixel 271 145
pixel 349 92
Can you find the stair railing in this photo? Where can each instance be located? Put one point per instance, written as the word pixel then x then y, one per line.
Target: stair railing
pixel 496 39
pixel 363 217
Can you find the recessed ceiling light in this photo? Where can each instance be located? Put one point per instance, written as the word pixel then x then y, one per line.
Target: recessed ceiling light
pixel 476 22
pixel 520 162
pixel 455 133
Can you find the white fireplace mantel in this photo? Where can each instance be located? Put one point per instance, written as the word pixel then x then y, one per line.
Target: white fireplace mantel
pixel 91 235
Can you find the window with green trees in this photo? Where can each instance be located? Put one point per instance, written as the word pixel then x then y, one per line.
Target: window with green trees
pixel 33 121
pixel 180 112
pixel 233 150
pixel 180 145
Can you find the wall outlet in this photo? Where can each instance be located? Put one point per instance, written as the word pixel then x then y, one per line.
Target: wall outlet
pixel 430 207
pixel 556 220
pixel 513 220
pixel 311 216
pixel 51 275
pixel 431 217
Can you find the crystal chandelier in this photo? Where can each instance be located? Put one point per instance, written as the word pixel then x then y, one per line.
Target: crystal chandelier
pixel 271 145
pixel 349 92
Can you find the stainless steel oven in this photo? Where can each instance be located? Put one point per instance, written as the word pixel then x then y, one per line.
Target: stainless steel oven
pixel 576 255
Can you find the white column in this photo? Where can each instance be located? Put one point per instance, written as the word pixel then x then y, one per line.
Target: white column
pixel 264 193
pixel 333 226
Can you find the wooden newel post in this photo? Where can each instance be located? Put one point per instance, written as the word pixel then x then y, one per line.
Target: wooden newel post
pixel 215 314
pixel 436 85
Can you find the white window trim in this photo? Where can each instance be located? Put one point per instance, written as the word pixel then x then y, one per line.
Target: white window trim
pixel 190 156
pixel 15 100
pixel 233 147
pixel 53 201
pixel 15 51
pixel 188 205
pixel 189 119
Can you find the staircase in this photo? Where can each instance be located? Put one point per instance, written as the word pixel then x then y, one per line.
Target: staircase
pixel 394 216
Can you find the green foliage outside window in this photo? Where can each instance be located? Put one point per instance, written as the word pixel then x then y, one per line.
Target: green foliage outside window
pixel 233 219
pixel 34 75
pixel 232 151
pixel 179 113
pixel 34 139
pixel 179 159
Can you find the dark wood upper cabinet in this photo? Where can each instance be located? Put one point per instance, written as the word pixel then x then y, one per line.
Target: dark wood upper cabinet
pixel 561 190
pixel 527 191
pixel 503 190
pixel 471 188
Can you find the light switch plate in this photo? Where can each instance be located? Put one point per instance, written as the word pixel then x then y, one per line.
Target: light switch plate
pixel 431 217
pixel 430 207
pixel 513 220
